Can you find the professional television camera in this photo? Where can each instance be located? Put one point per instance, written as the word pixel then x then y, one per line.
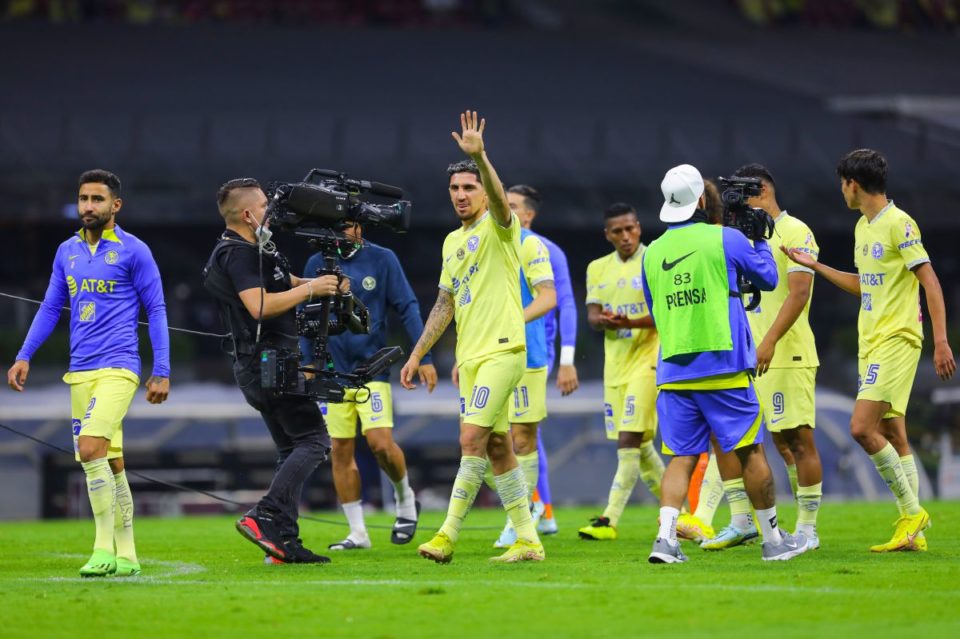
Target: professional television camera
pixel 755 223
pixel 320 208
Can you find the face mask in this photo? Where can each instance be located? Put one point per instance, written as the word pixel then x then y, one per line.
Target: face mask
pixel 349 249
pixel 263 234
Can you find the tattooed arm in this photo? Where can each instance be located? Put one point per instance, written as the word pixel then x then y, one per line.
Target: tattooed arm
pixel 437 322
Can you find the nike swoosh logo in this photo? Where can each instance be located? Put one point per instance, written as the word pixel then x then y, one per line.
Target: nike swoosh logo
pixel 669 265
pixel 516 414
pixel 774 421
pixel 471 414
pixel 373 419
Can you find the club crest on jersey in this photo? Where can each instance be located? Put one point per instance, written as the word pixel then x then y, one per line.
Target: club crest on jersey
pixel 473 243
pixel 636 283
pixel 369 283
pixel 621 283
pixel 461 253
pixel 112 257
pixel 877 250
pixel 88 312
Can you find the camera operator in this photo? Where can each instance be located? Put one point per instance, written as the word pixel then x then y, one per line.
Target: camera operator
pixel 704 373
pixel 257 297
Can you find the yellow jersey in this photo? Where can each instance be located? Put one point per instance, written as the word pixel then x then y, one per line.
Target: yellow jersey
pixel 797 348
pixel 616 285
pixel 886 250
pixel 481 270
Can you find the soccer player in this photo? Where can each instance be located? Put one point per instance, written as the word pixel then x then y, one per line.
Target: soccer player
pixel 891 265
pixel 379 283
pixel 690 281
pixel 786 374
pixel 527 203
pixel 480 288
pixel 106 274
pixel 615 305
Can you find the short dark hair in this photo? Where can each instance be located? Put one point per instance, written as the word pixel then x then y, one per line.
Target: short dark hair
pixel 100 176
pixel 531 196
pixel 465 166
pixel 866 167
pixel 230 186
pixel 713 204
pixel 755 170
pixel 617 209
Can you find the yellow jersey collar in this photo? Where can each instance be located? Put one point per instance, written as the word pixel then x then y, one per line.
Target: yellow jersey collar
pixel 882 211
pixel 477 221
pixel 109 234
pixel 638 254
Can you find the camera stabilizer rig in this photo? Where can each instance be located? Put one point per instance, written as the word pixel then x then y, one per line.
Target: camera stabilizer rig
pixel 320 208
pixel 754 223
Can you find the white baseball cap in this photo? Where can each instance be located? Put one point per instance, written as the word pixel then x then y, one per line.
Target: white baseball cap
pixel 682 187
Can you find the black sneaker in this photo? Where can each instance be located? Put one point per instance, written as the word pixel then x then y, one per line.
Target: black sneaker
pixel 297 554
pixel 260 528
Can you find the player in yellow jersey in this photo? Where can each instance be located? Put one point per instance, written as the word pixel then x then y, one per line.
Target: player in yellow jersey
pixel 615 305
pixel 786 376
pixel 480 290
pixel 891 266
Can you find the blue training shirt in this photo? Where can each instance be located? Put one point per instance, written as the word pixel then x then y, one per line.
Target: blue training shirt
pixel 757 264
pixel 566 309
pixel 105 291
pixel 377 280
pixel 537 329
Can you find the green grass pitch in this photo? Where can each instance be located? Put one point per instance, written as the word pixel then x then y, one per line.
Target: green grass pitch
pixel 202 580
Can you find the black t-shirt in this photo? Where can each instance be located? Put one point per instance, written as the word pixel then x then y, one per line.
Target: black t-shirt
pixel 240 262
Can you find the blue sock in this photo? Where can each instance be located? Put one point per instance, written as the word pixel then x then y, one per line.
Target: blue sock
pixel 543 479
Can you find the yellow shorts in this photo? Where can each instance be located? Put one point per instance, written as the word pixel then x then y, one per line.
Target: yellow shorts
pixel 787 397
pixel 99 400
pixel 886 375
pixel 486 388
pixel 631 407
pixel 530 397
pixel 375 412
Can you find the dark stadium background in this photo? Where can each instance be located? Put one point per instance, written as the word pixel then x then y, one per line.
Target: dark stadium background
pixel 589 102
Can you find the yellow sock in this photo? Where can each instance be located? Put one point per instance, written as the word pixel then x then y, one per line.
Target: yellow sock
pixel 465 489
pixel 530 467
pixel 808 505
pixel 516 501
pixel 123 518
pixel 651 468
pixel 736 493
pixel 628 472
pixel 913 477
pixel 792 475
pixel 888 465
pixel 711 492
pixel 100 489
